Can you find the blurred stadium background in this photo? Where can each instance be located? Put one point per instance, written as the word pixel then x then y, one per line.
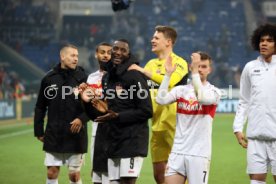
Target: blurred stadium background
pixel 31 32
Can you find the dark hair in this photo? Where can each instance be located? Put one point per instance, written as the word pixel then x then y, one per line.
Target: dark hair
pixel 263 30
pixel 168 32
pixel 205 56
pixel 123 40
pixel 102 44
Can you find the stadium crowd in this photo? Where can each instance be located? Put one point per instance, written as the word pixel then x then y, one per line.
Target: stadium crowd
pixel 29 27
pixel 10 85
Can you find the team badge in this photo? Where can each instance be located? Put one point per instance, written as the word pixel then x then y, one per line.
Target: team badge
pixel 192 100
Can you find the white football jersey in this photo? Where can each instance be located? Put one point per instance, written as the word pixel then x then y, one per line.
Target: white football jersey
pixel 257 100
pixel 95 80
pixel 194 123
pixel 194 119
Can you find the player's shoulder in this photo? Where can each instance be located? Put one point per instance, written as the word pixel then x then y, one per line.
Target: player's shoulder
pixel 178 59
pixel 94 74
pixel 134 74
pixel 253 63
pixel 214 88
pixel 152 61
pixel 50 73
pixel 249 66
pixel 182 88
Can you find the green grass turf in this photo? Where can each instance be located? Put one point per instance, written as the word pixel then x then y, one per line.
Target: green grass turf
pixel 22 158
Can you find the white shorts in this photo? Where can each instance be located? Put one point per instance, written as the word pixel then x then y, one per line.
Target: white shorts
pixel 195 168
pixel 99 177
pixel 261 156
pixel 124 167
pixel 73 161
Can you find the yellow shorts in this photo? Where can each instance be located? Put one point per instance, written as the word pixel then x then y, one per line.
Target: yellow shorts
pixel 160 145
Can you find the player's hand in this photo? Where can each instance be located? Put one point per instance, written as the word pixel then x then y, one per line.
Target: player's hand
pixel 170 68
pixel 76 126
pixel 241 139
pixel 195 57
pixel 88 94
pixel 82 87
pixel 41 138
pixel 107 117
pixel 100 105
pixel 135 67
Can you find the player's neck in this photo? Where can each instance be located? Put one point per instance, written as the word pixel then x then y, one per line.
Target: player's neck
pixel 203 81
pixel 164 54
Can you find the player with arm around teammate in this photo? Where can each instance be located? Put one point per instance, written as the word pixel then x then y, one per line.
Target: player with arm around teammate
pixel 129 108
pixel 196 105
pixel 99 171
pixel 163 120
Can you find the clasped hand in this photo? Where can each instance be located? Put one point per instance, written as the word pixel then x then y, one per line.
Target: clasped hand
pixel 110 115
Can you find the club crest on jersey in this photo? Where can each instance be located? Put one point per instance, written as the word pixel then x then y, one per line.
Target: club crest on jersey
pixel 192 101
pixel 119 89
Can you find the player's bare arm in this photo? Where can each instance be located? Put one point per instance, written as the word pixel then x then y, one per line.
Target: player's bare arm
pixel 110 115
pixel 140 69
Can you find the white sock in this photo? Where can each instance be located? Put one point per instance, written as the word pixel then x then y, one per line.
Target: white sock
pixel 256 182
pixel 52 181
pixel 115 182
pixel 78 182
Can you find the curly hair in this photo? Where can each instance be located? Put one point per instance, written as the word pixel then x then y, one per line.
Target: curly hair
pixel 263 30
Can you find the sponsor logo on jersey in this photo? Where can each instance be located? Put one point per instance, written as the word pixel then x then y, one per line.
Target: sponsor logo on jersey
pixel 192 107
pixel 195 106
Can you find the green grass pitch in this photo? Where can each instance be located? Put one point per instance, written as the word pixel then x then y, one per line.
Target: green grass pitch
pixel 22 158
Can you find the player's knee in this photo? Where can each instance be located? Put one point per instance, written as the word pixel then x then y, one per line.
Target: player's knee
pixel 256 182
pixel 159 178
pixel 52 173
pixel 74 176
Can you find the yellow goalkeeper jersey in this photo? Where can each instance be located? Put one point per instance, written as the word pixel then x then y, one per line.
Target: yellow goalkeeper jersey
pixel 164 117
